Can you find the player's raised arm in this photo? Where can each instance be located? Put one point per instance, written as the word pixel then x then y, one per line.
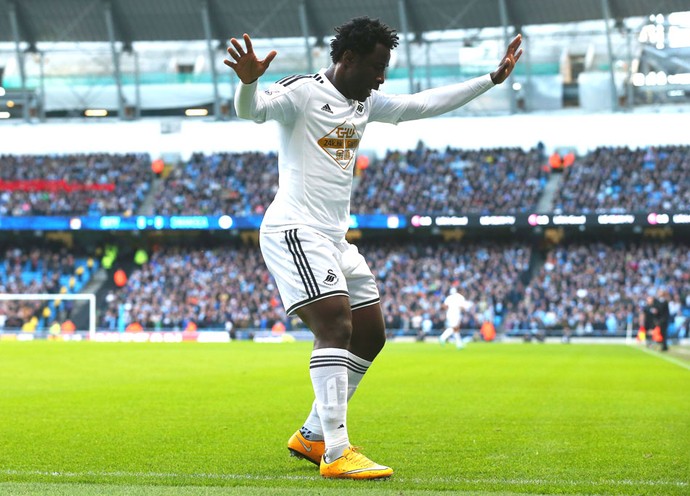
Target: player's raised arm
pixel 244 61
pixel 508 62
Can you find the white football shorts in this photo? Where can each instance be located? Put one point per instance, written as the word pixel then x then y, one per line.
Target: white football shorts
pixel 307 266
pixel 453 319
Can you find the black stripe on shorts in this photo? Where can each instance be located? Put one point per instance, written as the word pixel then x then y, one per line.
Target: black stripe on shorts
pixel 305 273
pixel 302 303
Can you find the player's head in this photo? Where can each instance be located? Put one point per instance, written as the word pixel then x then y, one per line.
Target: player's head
pixel 453 290
pixel 362 47
pixel 361 35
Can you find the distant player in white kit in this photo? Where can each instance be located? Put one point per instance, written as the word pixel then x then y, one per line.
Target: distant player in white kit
pixel 321 277
pixel 455 304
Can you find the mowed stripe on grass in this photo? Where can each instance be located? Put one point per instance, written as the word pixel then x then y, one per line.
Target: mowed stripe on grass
pixel 492 417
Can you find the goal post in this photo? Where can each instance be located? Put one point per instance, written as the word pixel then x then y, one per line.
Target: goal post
pixel 88 297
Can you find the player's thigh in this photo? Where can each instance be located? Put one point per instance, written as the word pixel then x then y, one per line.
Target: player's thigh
pixel 330 319
pixel 361 284
pixel 305 266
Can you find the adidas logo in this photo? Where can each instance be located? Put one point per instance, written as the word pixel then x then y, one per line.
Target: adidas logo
pixel 327 108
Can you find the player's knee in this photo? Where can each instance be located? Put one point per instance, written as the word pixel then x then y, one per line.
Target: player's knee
pixel 335 333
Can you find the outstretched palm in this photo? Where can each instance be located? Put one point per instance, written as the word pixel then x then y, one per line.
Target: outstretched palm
pixel 244 62
pixel 508 62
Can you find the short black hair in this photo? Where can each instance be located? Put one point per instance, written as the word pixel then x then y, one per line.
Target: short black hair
pixel 361 35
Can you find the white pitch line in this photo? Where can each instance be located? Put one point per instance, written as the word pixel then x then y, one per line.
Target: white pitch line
pixel 417 481
pixel 669 359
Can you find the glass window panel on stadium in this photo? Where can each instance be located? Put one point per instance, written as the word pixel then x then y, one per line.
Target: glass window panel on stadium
pixel 565 66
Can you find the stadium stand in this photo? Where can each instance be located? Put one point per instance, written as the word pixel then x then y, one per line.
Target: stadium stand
pixel 579 286
pixel 598 288
pixel 49 270
pixel 449 181
pixel 624 180
pixel 217 184
pixel 452 181
pixel 582 289
pixel 426 180
pixel 94 184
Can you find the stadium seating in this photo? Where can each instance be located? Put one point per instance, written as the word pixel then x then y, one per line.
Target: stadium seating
pixel 598 289
pixel 625 180
pixel 93 184
pixel 578 286
pixel 422 180
pixel 38 271
pixel 451 182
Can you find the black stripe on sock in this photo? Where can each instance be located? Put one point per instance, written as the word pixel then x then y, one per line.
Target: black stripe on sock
pixel 330 361
pixel 355 367
pixel 327 365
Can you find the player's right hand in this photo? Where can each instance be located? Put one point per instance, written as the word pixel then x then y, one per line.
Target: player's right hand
pixel 244 62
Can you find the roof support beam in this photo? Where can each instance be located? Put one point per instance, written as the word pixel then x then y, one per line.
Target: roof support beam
pixel 110 26
pixel 24 27
pixel 14 23
pixel 137 85
pixel 304 24
pixel 505 21
pixel 606 12
pixel 42 76
pixel 208 33
pixel 122 29
pixel 402 12
pixel 218 30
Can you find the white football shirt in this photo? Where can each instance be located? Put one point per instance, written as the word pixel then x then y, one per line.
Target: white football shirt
pixel 320 131
pixel 455 305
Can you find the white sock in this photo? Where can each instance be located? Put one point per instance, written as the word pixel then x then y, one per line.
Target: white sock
pixel 356 369
pixel 328 371
pixel 446 334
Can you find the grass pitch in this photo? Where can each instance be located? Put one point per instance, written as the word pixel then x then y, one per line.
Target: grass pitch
pixel 213 419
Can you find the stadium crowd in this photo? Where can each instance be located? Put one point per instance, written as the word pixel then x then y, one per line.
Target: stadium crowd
pixel 578 287
pixel 184 289
pixel 581 288
pixel 217 184
pixel 89 184
pixel 231 288
pixel 452 182
pixel 38 270
pixel 619 180
pixel 422 180
pixel 597 288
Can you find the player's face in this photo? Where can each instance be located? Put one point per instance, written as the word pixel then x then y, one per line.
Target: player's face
pixel 367 72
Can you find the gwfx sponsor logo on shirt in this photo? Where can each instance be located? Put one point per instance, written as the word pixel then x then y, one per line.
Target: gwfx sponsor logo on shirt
pixel 341 144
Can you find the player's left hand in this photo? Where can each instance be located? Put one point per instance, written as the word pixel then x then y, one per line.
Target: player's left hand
pixel 508 62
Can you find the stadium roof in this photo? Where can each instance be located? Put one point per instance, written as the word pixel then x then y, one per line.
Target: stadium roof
pixel 129 21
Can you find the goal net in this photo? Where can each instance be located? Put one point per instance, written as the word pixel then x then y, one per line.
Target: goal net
pixel 11 308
